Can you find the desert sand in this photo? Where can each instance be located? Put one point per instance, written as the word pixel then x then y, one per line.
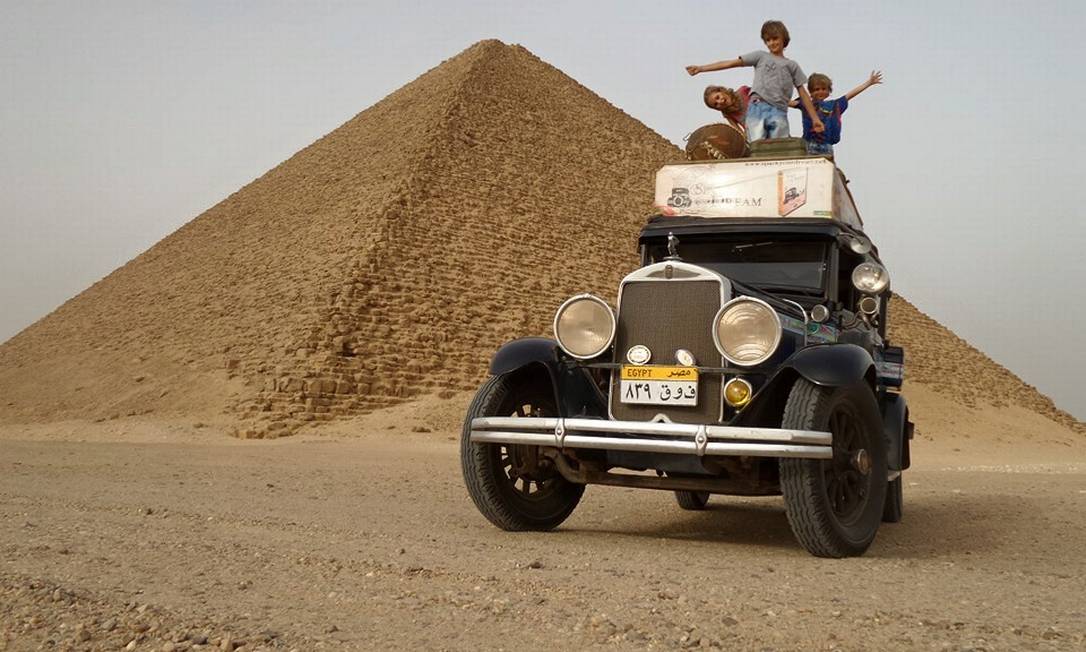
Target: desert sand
pixel 359 534
pixel 351 297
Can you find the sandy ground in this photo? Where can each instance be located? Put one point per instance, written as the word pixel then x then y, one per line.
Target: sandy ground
pixel 153 535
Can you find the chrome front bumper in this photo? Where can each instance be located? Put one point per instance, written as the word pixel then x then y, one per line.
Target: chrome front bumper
pixel 652 437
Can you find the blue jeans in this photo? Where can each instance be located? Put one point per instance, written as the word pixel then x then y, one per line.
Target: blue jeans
pixel 766 121
pixel 823 149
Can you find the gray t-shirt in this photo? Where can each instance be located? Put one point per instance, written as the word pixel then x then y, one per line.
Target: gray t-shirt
pixel 774 77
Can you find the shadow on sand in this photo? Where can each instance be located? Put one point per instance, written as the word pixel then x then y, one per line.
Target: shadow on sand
pixel 933 526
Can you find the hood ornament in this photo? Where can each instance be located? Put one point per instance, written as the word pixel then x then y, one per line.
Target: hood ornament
pixel 672 247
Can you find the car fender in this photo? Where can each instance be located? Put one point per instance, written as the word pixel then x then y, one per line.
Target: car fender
pixel 833 365
pixel 526 350
pixel 897 430
pixel 575 392
pixel 828 365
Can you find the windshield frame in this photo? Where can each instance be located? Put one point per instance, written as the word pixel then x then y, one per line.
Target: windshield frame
pixel 654 251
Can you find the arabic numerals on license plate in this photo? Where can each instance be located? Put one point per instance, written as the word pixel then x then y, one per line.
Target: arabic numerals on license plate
pixel 637 391
pixel 657 392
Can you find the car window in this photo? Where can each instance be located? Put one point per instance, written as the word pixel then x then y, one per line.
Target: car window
pixel 766 263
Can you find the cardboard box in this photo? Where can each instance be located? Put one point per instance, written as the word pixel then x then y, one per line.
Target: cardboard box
pixel 756 188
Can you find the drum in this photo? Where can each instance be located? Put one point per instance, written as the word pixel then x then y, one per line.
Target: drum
pixel 716 142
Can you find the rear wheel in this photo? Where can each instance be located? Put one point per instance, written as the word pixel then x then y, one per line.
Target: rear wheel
pixel 514 486
pixel 834 506
pixel 692 500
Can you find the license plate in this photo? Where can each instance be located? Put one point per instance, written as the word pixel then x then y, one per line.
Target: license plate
pixel 657 385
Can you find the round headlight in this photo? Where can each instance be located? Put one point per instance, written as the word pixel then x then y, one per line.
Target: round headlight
pixel 871 278
pixel 584 326
pixel 747 331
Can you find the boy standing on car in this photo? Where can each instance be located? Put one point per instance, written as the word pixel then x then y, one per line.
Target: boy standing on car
pixel 774 78
pixel 830 111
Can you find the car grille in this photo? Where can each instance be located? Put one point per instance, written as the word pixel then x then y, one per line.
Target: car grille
pixel 665 316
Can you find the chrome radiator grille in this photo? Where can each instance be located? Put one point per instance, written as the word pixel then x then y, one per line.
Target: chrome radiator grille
pixel 665 316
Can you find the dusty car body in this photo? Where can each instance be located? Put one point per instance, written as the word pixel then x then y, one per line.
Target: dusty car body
pixel 748 355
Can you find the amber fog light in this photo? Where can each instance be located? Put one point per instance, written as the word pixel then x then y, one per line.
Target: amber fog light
pixel 738 392
pixel 584 326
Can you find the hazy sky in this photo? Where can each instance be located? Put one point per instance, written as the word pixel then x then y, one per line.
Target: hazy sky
pixel 121 121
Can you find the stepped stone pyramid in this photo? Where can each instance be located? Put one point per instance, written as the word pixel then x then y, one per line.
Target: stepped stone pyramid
pixel 935 356
pixel 385 261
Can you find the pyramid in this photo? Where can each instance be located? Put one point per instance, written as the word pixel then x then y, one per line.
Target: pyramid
pixel 385 261
pixel 935 356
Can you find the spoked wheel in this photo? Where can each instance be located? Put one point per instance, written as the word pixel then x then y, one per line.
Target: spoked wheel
pixel 846 475
pixel 692 500
pixel 514 486
pixel 834 506
pixel 530 474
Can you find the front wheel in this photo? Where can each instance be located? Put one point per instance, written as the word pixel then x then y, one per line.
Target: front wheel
pixel 693 501
pixel 515 486
pixel 834 506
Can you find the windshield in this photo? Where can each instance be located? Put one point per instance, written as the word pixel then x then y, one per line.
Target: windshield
pixel 782 265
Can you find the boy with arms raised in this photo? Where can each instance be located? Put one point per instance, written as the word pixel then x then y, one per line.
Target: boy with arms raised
pixel 774 78
pixel 829 111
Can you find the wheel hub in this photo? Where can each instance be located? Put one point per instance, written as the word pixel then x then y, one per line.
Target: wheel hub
pixel 528 464
pixel 861 461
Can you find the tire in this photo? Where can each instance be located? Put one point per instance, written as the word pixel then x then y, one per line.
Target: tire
pixel 894 508
pixel 514 486
pixel 845 524
pixel 694 501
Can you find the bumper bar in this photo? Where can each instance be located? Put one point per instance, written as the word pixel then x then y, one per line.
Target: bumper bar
pixel 651 437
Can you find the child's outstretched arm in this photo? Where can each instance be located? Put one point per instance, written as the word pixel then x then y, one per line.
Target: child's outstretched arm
pixel 712 67
pixel 875 78
pixel 808 105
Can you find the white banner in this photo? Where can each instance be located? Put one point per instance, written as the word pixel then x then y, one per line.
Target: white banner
pixel 806 187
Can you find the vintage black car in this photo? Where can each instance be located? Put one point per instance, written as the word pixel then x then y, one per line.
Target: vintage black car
pixel 746 356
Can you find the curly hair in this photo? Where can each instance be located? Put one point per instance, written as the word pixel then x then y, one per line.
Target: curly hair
pixel 775 28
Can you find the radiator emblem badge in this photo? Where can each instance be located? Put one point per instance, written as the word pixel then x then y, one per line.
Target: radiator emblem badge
pixel 639 354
